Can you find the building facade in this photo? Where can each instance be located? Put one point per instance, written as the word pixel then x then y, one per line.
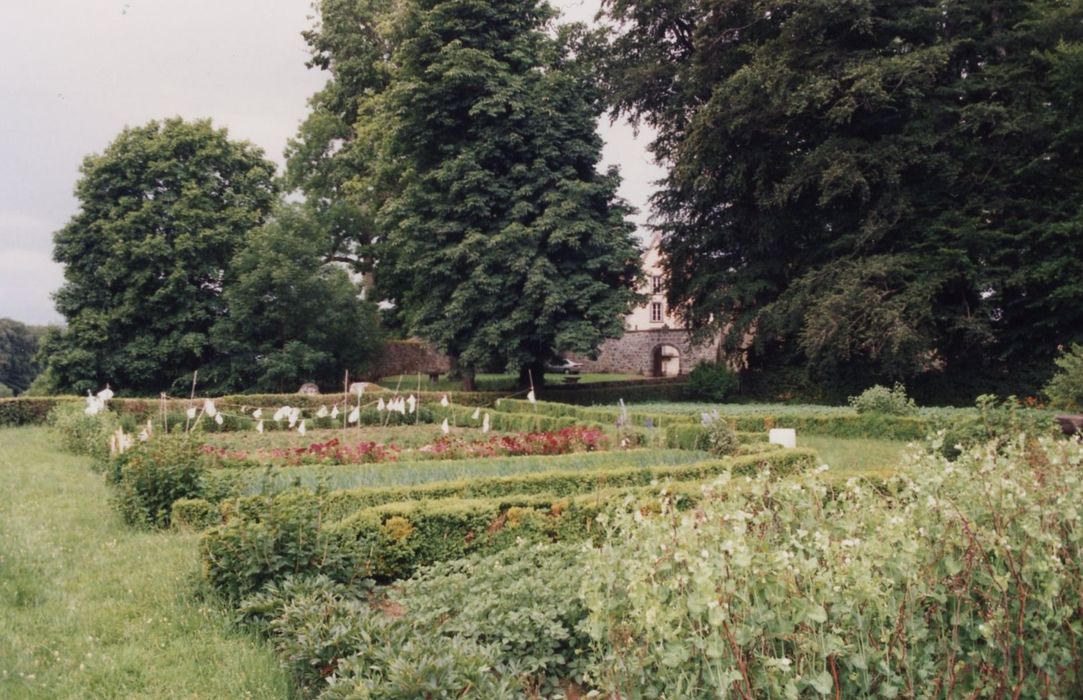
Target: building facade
pixel 655 343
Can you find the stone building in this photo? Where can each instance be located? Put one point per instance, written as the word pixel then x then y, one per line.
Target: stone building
pixel 655 343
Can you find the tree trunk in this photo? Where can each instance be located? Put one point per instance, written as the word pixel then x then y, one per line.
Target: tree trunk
pixel 536 371
pixel 468 378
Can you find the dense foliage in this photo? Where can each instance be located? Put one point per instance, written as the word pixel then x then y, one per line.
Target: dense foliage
pixel 18 347
pixel 711 381
pixel 152 475
pixel 161 213
pixel 1065 389
pixel 458 142
pixel 877 189
pixel 289 316
pixel 964 582
pixel 880 399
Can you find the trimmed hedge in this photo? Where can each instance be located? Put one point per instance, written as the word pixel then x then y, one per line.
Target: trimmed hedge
pixel 833 424
pixel 296 532
pixel 31 410
pixel 342 503
pixel 603 415
pixel 588 395
pixel 220 484
pixel 293 536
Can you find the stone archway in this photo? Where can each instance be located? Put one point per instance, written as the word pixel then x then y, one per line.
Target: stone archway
pixel 665 361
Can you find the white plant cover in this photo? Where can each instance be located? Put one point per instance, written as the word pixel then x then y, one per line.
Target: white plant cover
pixel 444 427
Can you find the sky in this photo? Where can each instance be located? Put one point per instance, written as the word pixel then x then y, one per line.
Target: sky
pixel 74 73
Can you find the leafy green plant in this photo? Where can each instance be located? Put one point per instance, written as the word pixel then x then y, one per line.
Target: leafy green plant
pixel 962 580
pixel 312 621
pixel 996 422
pixel 711 381
pixel 880 399
pixel 524 600
pixel 81 433
pixel 719 435
pixel 153 474
pixel 1065 389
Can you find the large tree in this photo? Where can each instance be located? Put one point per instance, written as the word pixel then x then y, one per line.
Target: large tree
pixel 874 187
pixel 291 317
pixel 503 242
pixel 161 213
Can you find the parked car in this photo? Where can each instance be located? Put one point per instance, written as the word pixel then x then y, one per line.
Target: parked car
pixel 563 365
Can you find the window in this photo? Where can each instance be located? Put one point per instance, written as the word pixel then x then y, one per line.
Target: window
pixel 656 312
pixel 656 284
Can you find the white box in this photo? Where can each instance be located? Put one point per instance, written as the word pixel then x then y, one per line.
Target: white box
pixel 787 437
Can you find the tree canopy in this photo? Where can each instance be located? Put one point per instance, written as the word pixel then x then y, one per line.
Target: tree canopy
pixel 873 188
pixel 18 348
pixel 162 212
pixel 290 317
pixel 463 135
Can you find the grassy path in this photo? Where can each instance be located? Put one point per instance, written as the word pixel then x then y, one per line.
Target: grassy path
pixel 90 608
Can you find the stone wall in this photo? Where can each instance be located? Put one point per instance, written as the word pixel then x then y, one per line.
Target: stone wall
pixel 634 353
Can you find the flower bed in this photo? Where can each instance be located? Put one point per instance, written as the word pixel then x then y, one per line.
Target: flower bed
pixel 334 451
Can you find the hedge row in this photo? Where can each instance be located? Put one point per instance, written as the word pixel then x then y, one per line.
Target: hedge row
pixel 588 395
pixel 293 536
pixel 341 503
pixel 833 424
pixel 33 410
pixel 30 410
pixel 599 414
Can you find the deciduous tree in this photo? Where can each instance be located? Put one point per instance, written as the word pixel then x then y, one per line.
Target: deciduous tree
pixel 161 213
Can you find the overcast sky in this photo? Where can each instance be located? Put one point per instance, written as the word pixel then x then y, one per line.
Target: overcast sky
pixel 73 73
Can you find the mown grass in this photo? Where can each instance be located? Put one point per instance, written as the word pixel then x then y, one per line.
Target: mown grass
pixel 855 455
pixel 492 382
pixel 334 477
pixel 90 608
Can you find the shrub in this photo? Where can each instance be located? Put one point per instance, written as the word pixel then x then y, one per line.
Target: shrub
pixel 523 599
pixel 283 536
pixel 83 434
pixel 711 381
pixel 880 399
pixel 961 580
pixel 152 475
pixel 312 621
pixel 995 422
pixel 1065 389
pixel 6 392
pixel 404 666
pixel 720 437
pixel 194 514
pixel 518 610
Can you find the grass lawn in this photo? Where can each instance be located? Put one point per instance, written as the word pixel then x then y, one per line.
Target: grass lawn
pixel 492 382
pixel 90 608
pixel 855 455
